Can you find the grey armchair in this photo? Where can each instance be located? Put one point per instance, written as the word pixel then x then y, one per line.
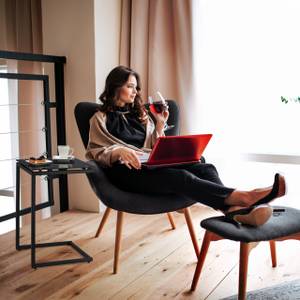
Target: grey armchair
pixel 122 201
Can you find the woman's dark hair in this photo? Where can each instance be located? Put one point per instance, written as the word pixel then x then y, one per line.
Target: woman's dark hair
pixel 114 81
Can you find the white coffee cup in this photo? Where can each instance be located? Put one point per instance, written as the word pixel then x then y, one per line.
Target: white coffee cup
pixel 64 151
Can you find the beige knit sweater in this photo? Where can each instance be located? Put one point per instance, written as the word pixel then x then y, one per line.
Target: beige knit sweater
pixel 101 142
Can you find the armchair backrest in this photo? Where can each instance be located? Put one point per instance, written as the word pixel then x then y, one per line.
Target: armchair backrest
pixel 85 110
pixel 83 113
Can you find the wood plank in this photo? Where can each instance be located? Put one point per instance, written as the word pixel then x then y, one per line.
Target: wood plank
pixel 150 247
pixel 51 230
pixel 176 272
pixel 155 261
pixel 260 271
pixel 57 276
pixel 139 259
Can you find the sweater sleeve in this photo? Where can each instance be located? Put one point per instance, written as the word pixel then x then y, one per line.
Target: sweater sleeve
pixel 102 143
pixel 100 146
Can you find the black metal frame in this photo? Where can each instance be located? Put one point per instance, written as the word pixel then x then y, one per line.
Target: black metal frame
pixel 47 129
pixel 53 172
pixel 59 105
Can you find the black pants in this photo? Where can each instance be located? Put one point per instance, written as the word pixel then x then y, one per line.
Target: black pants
pixel 199 182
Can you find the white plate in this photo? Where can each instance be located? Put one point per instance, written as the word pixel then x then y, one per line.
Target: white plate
pixel 57 157
pixel 47 162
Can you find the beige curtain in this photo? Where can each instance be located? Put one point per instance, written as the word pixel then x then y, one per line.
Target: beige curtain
pixel 156 41
pixel 22 32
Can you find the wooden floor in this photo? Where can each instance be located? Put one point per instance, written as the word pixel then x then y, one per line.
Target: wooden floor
pixel 155 263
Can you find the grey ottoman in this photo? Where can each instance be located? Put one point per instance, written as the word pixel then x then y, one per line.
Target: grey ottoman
pixel 283 225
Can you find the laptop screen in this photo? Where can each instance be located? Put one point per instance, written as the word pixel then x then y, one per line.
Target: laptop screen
pixel 177 149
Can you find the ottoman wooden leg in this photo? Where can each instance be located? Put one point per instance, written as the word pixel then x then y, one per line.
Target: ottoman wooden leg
pixel 201 258
pixel 273 253
pixel 244 255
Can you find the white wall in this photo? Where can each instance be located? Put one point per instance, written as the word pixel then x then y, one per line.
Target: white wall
pixel 87 33
pixel 107 16
pixel 107 38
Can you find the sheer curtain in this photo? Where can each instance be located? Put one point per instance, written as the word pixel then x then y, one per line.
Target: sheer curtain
pixel 21 32
pixel 248 57
pixel 156 41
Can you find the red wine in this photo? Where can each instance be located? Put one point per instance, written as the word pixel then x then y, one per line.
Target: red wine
pixel 157 107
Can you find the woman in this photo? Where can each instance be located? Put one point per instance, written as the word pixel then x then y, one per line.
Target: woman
pixel 122 130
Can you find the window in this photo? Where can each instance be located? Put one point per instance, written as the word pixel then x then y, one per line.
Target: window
pixel 247 58
pixel 7 166
pixel 22 135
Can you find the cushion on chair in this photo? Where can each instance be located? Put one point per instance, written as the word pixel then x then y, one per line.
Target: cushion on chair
pixel 135 203
pixel 279 225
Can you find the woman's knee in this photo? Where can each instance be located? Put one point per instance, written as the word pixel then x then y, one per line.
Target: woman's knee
pixel 203 169
pixel 211 168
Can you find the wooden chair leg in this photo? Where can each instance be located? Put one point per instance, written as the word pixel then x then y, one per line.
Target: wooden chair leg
pixel 103 221
pixel 273 253
pixel 244 254
pixel 201 258
pixel 171 220
pixel 189 223
pixel 119 225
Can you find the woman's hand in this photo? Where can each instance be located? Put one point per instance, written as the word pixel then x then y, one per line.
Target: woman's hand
pixel 161 120
pixel 129 157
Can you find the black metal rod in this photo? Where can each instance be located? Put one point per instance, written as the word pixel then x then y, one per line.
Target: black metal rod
pixel 27 210
pixel 84 256
pixel 50 190
pixel 60 262
pixel 60 103
pixel 22 76
pixel 79 250
pixel 17 207
pixel 63 193
pixel 47 117
pixel 33 256
pixel 61 131
pixel 32 57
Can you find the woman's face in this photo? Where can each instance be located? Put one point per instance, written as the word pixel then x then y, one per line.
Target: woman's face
pixel 127 92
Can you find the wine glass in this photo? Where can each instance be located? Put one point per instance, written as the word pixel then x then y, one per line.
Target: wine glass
pixel 158 104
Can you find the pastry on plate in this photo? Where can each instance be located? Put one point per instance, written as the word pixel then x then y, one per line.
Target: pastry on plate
pixel 39 160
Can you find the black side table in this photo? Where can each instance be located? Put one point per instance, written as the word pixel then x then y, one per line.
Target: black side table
pixel 51 170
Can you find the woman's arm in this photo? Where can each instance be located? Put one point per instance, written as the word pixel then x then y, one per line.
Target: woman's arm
pixel 100 145
pixel 103 148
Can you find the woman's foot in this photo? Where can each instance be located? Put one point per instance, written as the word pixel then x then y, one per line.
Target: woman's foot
pixel 254 215
pixel 278 190
pixel 258 196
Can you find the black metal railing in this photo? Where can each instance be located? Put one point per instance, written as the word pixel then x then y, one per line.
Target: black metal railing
pixel 58 104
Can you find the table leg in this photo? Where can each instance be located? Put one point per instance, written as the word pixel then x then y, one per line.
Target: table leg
pixel 84 257
pixel 33 244
pixel 18 207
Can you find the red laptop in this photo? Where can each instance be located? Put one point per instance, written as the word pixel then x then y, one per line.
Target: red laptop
pixel 176 150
